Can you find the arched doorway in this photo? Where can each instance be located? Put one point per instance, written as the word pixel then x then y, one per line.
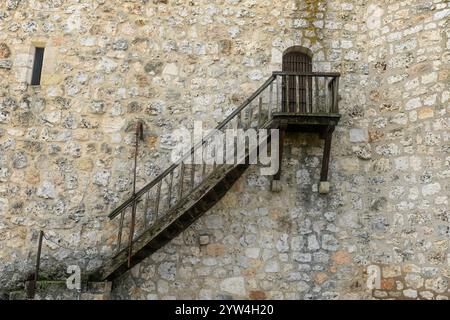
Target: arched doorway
pixel 295 89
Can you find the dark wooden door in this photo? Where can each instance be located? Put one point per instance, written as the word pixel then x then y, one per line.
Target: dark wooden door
pixel 295 89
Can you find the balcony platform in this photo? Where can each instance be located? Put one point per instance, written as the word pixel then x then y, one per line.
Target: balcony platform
pixel 305 122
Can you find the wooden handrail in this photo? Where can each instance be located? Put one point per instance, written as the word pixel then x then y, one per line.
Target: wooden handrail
pixel 310 74
pixel 147 187
pixel 227 120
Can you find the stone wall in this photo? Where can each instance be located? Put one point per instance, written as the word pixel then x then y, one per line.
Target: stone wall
pixel 57 290
pixel 66 147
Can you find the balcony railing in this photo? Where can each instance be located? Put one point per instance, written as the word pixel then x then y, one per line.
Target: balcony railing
pixel 307 93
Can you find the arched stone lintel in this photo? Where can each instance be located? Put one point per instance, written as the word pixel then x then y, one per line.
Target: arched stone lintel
pixel 299 49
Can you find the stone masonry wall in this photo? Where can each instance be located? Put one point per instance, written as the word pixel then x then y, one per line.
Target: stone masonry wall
pixel 407 186
pixel 66 147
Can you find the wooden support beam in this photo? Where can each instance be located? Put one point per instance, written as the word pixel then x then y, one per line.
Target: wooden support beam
pixel 276 183
pixel 324 186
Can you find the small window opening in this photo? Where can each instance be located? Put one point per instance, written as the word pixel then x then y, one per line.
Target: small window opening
pixel 37 66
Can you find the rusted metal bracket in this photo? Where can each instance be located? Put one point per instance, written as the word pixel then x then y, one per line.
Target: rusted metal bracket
pixel 139 137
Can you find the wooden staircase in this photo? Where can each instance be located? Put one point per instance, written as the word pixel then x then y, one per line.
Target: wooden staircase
pixel 169 204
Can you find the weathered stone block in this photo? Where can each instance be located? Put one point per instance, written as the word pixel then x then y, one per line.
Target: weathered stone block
pixel 235 286
pixel 324 187
pixel 359 135
pixel 46 190
pixel 5 52
pixel 5 64
pixel 204 240
pixel 410 293
pixel 167 270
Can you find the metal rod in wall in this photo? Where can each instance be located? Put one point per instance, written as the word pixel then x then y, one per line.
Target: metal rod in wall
pixel 32 286
pixel 139 136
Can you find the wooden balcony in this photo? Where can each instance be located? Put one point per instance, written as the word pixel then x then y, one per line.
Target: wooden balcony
pixel 306 102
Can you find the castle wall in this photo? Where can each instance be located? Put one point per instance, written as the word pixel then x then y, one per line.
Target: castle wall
pixel 66 147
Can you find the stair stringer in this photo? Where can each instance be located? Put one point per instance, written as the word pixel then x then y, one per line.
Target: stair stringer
pixel 192 207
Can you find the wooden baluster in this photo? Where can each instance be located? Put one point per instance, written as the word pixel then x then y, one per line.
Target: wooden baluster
pixel 311 96
pixel 180 190
pixel 269 112
pixel 287 93
pixel 304 93
pixel 325 88
pixel 332 94
pixel 307 107
pixel 328 96
pixel 192 176
pixel 277 85
pixel 147 200
pixel 169 191
pixel 250 116
pixel 204 152
pixel 316 94
pixel 214 151
pixel 260 111
pixel 297 93
pixel 119 236
pixel 325 91
pixel 158 196
pixel 336 95
pixel 324 95
pixel 203 170
pixel 302 80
